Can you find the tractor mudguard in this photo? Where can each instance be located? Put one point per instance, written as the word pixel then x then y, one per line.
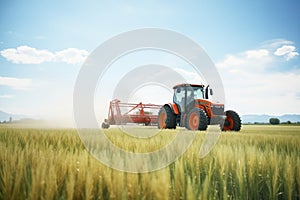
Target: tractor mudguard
pixel 173 107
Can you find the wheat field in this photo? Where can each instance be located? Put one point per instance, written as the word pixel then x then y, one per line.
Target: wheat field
pixel 260 162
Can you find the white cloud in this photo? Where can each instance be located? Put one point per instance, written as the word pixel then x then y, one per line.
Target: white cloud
pixel 250 85
pixel 30 55
pixel 291 55
pixel 257 54
pixel 72 55
pixel 230 60
pixel 273 44
pixel 248 60
pixel 288 51
pixel 189 76
pixel 16 83
pixel 284 50
pixel 27 55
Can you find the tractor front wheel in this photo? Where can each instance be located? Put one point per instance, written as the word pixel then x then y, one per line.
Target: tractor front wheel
pixel 197 120
pixel 232 121
pixel 166 118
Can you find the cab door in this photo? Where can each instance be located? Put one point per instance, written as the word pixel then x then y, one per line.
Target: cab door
pixel 180 99
pixel 190 99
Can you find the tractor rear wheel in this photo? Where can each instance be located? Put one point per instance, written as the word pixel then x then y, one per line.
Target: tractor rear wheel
pixel 197 120
pixel 232 121
pixel 166 118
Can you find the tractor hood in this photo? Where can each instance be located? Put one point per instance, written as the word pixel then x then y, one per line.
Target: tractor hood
pixel 216 109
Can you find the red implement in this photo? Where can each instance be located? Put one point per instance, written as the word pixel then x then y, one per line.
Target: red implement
pixel 123 113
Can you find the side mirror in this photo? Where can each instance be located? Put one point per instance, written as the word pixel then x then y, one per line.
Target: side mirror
pixel 211 91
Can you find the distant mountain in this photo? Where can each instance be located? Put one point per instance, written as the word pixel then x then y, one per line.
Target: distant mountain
pixel 245 118
pixel 265 118
pixel 6 116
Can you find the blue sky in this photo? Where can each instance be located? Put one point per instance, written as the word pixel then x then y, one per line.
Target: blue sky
pixel 254 44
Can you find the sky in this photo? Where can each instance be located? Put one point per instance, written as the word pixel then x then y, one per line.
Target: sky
pixel 43 44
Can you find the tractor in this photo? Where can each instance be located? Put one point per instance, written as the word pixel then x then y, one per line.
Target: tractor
pixel 192 109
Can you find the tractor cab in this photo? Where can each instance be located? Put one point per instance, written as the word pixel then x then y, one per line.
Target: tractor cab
pixel 191 108
pixel 185 95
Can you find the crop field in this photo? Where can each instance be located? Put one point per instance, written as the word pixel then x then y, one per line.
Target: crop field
pixel 259 162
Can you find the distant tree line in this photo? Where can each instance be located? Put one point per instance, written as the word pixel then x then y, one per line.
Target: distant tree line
pixel 274 121
pixel 9 121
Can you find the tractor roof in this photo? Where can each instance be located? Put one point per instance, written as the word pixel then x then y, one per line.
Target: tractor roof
pixel 187 85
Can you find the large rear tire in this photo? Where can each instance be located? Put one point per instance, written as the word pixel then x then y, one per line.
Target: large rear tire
pixel 232 121
pixel 166 118
pixel 197 120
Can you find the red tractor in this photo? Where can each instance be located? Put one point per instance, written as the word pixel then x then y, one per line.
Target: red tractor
pixel 192 109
